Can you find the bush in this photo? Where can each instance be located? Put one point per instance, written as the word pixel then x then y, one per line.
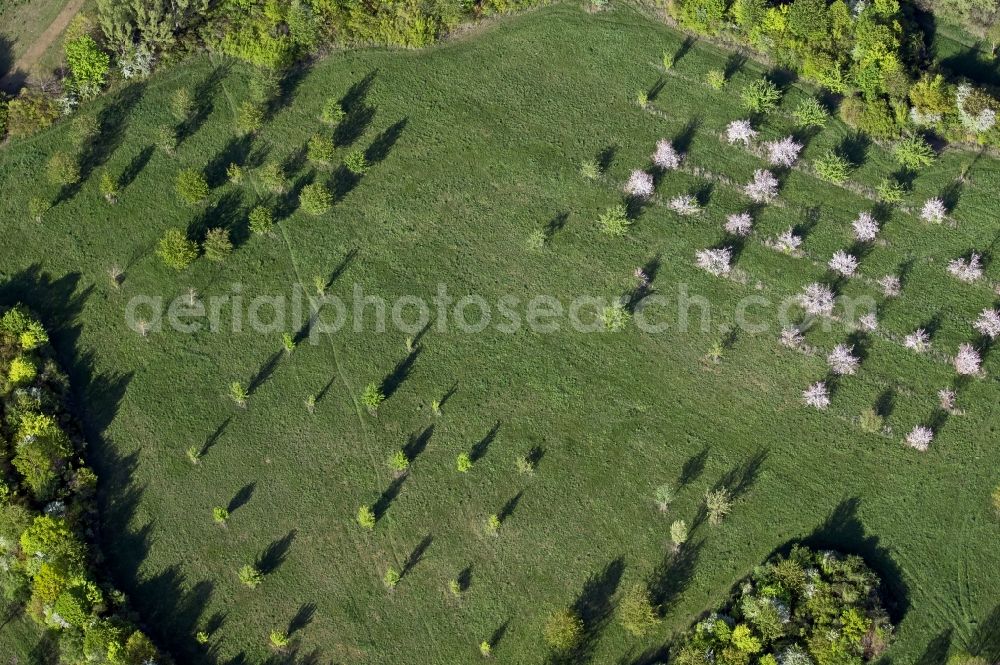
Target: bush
pixel 31 112
pixel 563 630
pixel 715 78
pixel 913 152
pixel 890 190
pixel 261 220
pixel 37 207
pixel 108 187
pixel 250 576
pixel 636 612
pixel 181 105
pixel 191 186
pixel 217 245
pixel 249 117
pixel 872 116
pixel 810 113
pixel 832 167
pixel 235 173
pixel 63 169
pixel 320 149
pixel 356 163
pixel 718 504
pixel 871 422
pixel 761 96
pixel 273 177
pixel 372 397
pixel 315 199
pixel 88 65
pixel 614 221
pixel 176 250
pixel 366 517
pixel 332 113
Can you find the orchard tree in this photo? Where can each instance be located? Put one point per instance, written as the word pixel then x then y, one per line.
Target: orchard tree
pixel 88 65
pixel 176 249
pixel 636 611
pixel 563 630
pixel 191 186
pixel 315 199
pixel 63 169
pixel 217 245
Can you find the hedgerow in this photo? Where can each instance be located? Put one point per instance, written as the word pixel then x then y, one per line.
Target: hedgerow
pixel 47 506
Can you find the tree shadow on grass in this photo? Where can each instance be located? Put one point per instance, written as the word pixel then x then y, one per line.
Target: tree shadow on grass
pixel 606 157
pixel 380 148
pixel 388 495
pixel 203 95
pixel 673 574
pixel 693 467
pixel 399 374
pixel 135 167
pixel 417 555
pixel 651 656
pixel 683 139
pixel 936 652
pixel 275 554
pixel 594 607
pixel 226 213
pixel 479 450
pixel 242 497
pixel 985 642
pixel 358 115
pixel 508 508
pixel 844 532
pixel 417 443
pixel 236 151
pixel 303 617
pixel 265 372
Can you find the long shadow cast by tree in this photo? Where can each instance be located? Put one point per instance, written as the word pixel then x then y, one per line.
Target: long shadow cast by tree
pixel 843 531
pixel 985 642
pixel 303 617
pixel 508 508
pixel 289 84
pixel 497 636
pixel 673 574
pixel 275 554
pixel 683 139
pixel 135 167
pixel 594 607
pixel 693 467
pixel 417 443
pixel 227 213
pixel 242 497
pixel 937 650
pixel 11 81
pixel 651 656
pixel 481 447
pixel 265 372
pixel 606 157
pixel 385 499
pixel 417 555
pixel 464 578
pixel 238 150
pixel 344 264
pixel 384 142
pixel 203 95
pixel 399 374
pixel 358 115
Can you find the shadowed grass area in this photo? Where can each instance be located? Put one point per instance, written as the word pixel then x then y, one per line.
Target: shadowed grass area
pixel 472 146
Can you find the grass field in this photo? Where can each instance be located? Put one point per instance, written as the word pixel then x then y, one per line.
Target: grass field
pixel 481 140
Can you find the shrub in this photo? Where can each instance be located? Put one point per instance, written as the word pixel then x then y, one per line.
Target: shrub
pixel 913 152
pixel 705 16
pixel 273 178
pixel 372 397
pixel 871 422
pixel 391 578
pixel 191 186
pixel 279 639
pixel 590 169
pixel 63 169
pixel 664 495
pixel 108 187
pixel 463 463
pixel 30 112
pixel 614 221
pixel 315 199
pixel 563 630
pixel 356 163
pixel 181 105
pixel 636 612
pixel 890 190
pixel 715 78
pixel 320 149
pixel 332 113
pixel 615 317
pixel 251 576
pixel 761 96
pixel 220 515
pixel 238 393
pixel 249 117
pixel 88 65
pixel 810 113
pixel 718 503
pixel 872 116
pixel 176 250
pixel 678 533
pixel 833 167
pixel 261 221
pixel 366 517
pixel 166 139
pixel 399 462
pixel 217 244
pixel 235 173
pixel 37 207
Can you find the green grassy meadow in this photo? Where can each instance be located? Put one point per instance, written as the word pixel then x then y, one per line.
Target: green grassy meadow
pixel 481 141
